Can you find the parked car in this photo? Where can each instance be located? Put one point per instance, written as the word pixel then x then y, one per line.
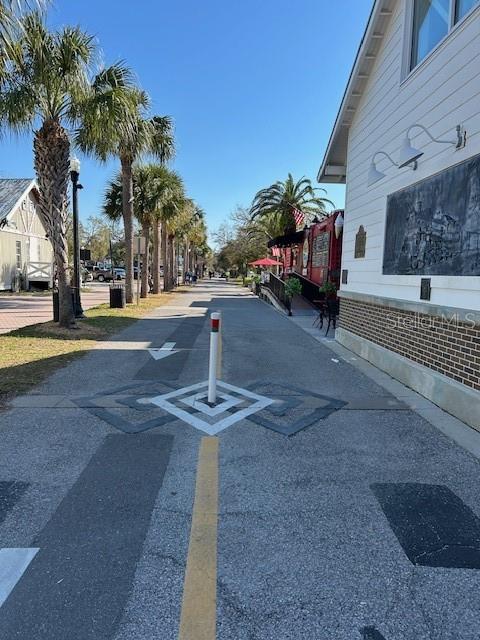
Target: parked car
pixel 102 275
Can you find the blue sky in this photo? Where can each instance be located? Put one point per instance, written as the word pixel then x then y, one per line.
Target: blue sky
pixel 253 88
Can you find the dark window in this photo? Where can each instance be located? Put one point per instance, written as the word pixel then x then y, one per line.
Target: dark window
pixel 431 19
pixel 19 254
pixel 462 7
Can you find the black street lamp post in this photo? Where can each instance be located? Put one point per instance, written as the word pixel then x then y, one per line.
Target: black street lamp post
pixel 74 175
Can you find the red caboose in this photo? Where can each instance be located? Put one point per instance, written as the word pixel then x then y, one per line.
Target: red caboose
pixel 314 254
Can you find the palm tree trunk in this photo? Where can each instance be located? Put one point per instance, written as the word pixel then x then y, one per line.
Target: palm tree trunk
pixel 171 267
pixel 186 260
pixel 127 212
pixel 156 257
pixel 146 260
pixel 164 236
pixel 52 161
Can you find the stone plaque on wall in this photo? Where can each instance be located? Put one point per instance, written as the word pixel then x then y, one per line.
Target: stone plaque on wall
pixel 360 242
pixel 433 226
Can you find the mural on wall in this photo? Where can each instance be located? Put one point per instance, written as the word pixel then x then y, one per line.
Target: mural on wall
pixel 433 227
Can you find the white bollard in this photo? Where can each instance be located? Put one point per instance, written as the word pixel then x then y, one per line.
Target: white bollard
pixel 212 366
pixel 220 346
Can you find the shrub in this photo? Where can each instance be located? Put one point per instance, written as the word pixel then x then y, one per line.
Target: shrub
pixel 328 288
pixel 293 287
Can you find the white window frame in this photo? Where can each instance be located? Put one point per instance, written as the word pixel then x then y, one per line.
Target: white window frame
pixel 407 69
pixel 18 254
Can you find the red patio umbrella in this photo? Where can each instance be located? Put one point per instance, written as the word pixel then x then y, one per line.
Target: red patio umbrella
pixel 266 262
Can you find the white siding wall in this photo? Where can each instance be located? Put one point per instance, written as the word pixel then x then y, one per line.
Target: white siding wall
pixel 29 231
pixel 442 92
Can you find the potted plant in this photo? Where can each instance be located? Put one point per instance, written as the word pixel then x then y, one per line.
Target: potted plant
pixel 293 287
pixel 328 289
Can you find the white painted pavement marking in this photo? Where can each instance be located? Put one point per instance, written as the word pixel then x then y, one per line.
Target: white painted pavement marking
pixel 259 403
pixel 13 564
pixel 198 402
pixel 163 352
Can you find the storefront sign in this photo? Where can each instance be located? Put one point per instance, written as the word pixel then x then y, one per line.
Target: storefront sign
pixel 433 227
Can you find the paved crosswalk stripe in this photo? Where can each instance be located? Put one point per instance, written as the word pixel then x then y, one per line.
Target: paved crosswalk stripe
pixel 198 617
pixel 13 563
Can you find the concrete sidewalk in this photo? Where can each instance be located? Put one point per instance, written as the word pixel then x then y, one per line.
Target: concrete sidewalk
pixel 333 509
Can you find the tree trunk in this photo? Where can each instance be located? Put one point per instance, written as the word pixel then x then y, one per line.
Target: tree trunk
pixel 168 276
pixel 186 259
pixel 164 236
pixel 145 261
pixel 156 257
pixel 171 257
pixel 127 212
pixel 52 163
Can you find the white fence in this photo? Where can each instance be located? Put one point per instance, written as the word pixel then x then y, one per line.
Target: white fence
pixel 40 272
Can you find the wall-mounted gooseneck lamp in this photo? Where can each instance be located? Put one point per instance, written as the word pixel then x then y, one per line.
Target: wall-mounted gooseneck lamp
pixel 338 225
pixel 409 154
pixel 374 175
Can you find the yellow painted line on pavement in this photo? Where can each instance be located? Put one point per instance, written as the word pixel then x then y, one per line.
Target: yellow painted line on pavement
pixel 198 618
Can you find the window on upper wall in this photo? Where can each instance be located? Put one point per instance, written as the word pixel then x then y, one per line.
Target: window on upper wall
pixel 430 25
pixel 18 250
pixel 432 20
pixel 463 7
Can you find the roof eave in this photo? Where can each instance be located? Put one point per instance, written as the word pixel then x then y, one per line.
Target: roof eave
pixel 333 169
pixel 32 186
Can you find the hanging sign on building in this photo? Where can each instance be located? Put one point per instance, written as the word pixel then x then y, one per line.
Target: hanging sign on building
pixel 433 227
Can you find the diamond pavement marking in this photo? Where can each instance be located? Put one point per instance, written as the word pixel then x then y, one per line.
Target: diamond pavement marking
pixel 192 397
pixel 142 406
pixel 198 402
pixel 119 400
pixel 295 408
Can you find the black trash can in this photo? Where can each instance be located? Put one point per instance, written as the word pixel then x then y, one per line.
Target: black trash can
pixel 56 304
pixel 117 296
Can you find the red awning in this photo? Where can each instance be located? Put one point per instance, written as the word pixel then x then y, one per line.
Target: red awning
pixel 266 262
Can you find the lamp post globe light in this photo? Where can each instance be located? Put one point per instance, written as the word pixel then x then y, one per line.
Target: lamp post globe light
pixel 74 175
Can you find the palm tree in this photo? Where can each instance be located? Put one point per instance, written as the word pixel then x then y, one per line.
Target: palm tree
pixel 143 206
pixel 11 12
pixel 117 125
pixel 278 201
pixel 169 195
pixel 171 208
pixel 196 237
pixel 157 197
pixel 46 86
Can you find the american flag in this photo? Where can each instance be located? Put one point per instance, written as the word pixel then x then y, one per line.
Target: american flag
pixel 276 252
pixel 299 216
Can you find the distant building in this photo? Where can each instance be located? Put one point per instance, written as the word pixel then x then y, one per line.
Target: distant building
pixel 410 299
pixel 26 254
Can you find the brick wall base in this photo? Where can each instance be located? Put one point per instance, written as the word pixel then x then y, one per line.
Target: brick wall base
pixel 442 344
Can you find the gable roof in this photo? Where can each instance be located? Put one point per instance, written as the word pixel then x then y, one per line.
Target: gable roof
pixel 12 192
pixel 333 168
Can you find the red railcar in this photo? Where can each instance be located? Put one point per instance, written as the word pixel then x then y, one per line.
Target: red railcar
pixel 314 253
